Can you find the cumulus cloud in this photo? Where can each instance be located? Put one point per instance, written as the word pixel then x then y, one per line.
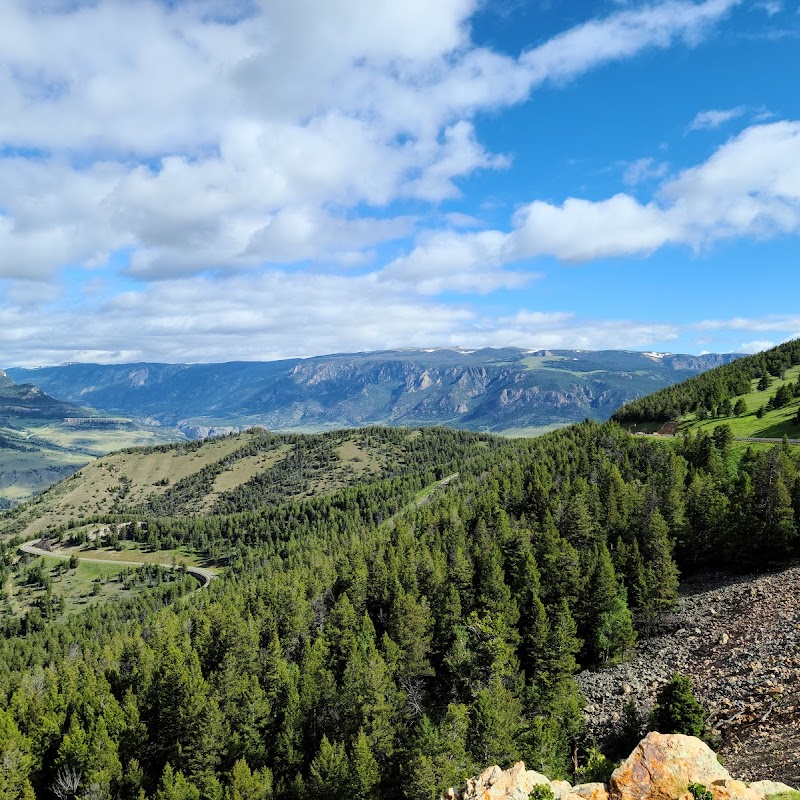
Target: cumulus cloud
pixel 198 133
pixel 750 187
pixel 446 260
pixel 249 170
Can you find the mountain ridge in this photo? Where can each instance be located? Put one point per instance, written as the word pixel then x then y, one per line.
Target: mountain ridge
pixel 27 400
pixel 492 389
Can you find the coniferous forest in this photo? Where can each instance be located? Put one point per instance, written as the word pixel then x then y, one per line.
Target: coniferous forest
pixel 375 637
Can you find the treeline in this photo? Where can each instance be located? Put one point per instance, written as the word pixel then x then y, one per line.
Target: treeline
pixel 709 390
pixel 360 642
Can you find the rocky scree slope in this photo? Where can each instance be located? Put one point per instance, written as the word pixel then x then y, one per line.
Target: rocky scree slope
pixel 738 639
pixel 661 767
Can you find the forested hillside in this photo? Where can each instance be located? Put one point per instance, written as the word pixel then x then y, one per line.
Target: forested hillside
pixel 715 391
pixel 382 633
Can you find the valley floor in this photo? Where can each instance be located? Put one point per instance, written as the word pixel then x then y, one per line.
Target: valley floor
pixel 738 639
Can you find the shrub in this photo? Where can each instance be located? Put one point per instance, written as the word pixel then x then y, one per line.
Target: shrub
pixel 542 791
pixel 597 769
pixel 700 792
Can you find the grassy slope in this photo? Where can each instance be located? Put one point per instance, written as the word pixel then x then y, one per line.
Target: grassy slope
pixel 128 482
pixel 87 585
pixel 94 489
pixel 51 452
pixel 773 425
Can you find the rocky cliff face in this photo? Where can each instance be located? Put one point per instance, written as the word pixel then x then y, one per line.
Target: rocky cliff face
pixel 661 767
pixel 486 389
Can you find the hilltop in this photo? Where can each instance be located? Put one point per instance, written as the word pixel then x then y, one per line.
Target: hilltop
pixel 238 471
pixel 43 439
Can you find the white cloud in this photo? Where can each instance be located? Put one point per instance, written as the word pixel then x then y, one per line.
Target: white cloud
pixel 755 346
pixel 468 262
pixel 763 324
pixel 622 35
pixel 750 187
pixel 259 317
pixel 580 230
pixel 169 140
pixel 715 118
pixel 769 7
pixel 186 131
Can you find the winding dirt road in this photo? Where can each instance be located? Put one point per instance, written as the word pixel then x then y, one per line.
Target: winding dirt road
pixel 205 576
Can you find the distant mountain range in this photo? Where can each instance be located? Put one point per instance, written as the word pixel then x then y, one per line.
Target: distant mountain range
pixel 488 389
pixel 27 400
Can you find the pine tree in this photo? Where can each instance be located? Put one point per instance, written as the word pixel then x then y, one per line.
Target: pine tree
pixel 677 710
pixel 244 784
pixel 15 761
pixel 365 773
pixel 174 786
pixel 660 572
pixel 329 774
pixel 495 724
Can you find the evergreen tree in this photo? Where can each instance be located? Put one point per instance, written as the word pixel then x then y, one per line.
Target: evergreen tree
pixel 365 772
pixel 660 573
pixel 15 761
pixel 438 755
pixel 244 784
pixel 329 774
pixel 615 634
pixel 676 709
pixel 495 725
pixel 174 786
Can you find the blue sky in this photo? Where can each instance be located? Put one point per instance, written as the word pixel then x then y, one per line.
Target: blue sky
pixel 200 180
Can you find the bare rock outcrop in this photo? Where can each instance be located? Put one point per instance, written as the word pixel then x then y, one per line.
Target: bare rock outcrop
pixel 661 767
pixel 497 784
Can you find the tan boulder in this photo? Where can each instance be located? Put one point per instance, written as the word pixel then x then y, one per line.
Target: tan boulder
pixel 497 784
pixel 729 789
pixel 663 765
pixel 591 791
pixel 560 789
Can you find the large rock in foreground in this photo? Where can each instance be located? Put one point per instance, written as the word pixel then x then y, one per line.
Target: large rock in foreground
pixel 663 765
pixel 660 768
